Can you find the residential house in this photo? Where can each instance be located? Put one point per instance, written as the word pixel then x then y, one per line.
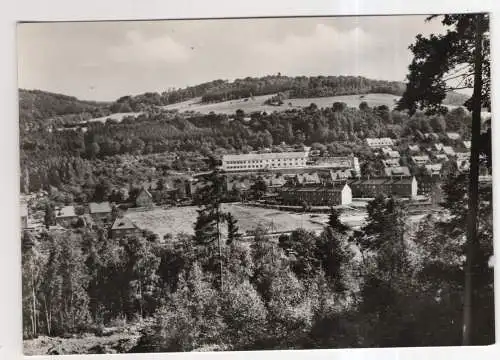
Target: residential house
pixel 144 198
pixel 438 147
pixel 100 211
pixel 307 179
pixel 448 150
pixel 340 175
pixel 421 160
pixel 65 215
pixel 467 144
pixel 441 157
pixel 124 227
pixel 462 155
pixel 413 148
pixel 434 169
pixel 332 195
pixel 391 163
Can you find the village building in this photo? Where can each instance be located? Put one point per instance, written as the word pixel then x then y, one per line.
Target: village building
pixel 467 144
pixel 65 215
pixel 370 188
pixel 124 227
pixel 413 148
pixel 434 169
pixel 441 157
pixel 100 211
pixel 340 175
pixel 379 142
pixel 462 155
pixel 338 162
pixel 438 147
pixel 421 160
pixel 307 179
pixel 391 163
pixel 333 195
pixel 144 198
pixel 448 150
pixel 253 162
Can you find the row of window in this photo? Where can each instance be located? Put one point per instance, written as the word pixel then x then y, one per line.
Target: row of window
pixel 297 160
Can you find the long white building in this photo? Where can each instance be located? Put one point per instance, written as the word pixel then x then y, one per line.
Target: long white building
pixel 284 160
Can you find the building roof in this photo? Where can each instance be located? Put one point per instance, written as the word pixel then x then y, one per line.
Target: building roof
pixel 467 144
pixel 404 181
pixel 420 159
pixel 340 174
pixel 441 156
pixel 265 156
pixel 123 223
pixel 448 150
pixel 414 148
pixel 397 171
pixel 438 146
pixel 434 168
pixel 65 211
pixel 307 178
pixel 99 208
pixel 391 162
pixel 462 155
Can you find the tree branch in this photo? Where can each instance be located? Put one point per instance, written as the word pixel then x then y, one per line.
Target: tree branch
pixel 457 76
pixel 458 88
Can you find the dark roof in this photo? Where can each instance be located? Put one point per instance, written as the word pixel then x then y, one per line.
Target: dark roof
pixel 96 208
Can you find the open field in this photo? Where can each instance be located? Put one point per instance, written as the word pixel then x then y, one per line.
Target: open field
pixel 181 219
pixel 257 103
pixel 117 117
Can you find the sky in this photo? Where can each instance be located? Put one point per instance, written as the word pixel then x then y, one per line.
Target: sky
pixel 106 60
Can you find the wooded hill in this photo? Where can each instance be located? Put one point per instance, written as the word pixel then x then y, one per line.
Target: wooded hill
pixel 36 106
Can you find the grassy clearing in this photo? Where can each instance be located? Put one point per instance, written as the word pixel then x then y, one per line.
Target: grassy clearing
pixel 257 103
pixel 181 219
pixel 117 117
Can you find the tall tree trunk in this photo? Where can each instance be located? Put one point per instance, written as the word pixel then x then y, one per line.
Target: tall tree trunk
pixel 472 241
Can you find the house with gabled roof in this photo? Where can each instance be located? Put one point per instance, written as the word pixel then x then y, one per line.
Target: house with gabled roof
pixel 124 227
pixel 467 144
pixel 420 160
pixel 100 211
pixel 65 215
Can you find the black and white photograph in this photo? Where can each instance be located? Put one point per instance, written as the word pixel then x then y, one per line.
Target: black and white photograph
pixel 241 184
